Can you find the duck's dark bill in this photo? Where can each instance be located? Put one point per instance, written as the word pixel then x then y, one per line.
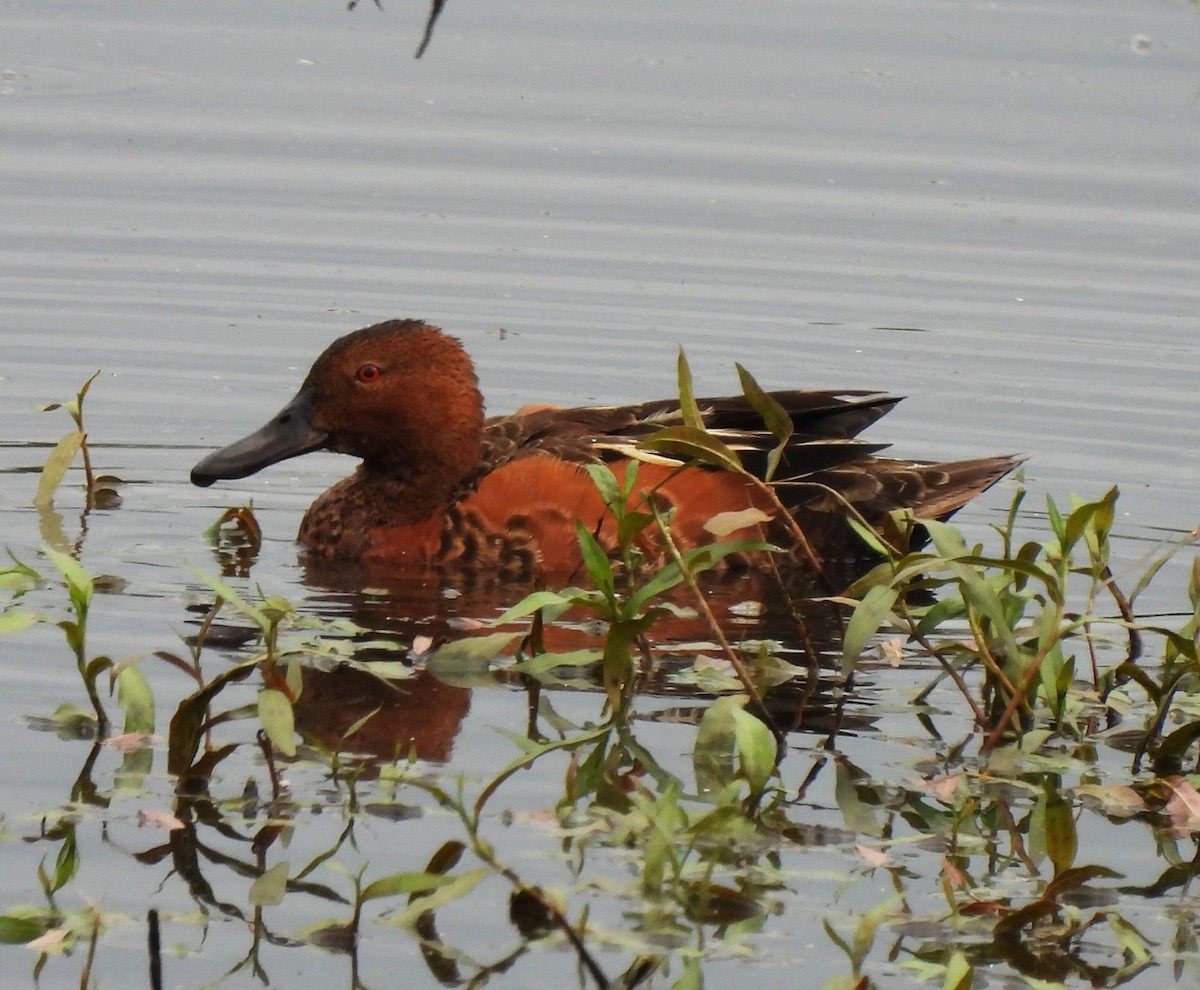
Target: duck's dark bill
pixel 288 434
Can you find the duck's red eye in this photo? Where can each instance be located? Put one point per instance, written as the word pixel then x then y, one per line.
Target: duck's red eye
pixel 368 373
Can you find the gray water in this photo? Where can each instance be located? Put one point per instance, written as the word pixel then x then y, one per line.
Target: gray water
pixel 990 208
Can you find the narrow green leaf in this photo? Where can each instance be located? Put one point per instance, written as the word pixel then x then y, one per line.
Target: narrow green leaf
pixel 687 398
pixel 545 662
pixel 554 602
pixel 1061 839
pixel 278 720
pixel 227 593
pixel 66 864
pixel 693 444
pixel 458 887
pixel 404 884
pixel 774 417
pixel 1134 943
pixel 606 483
pixel 960 974
pixel 595 561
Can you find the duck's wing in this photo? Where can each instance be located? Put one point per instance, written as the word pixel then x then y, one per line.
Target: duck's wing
pixel 824 425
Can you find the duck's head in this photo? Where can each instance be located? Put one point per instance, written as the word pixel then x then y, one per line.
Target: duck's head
pixel 401 395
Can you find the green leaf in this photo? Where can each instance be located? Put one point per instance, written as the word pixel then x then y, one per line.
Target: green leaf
pixel 713 749
pixel 14 620
pixel 696 560
pixel 79 582
pixel 468 657
pixel 869 615
pixel 278 720
pixel 595 561
pixel 270 886
pixel 66 863
pixel 687 398
pixel 554 603
pixel 946 539
pixel 136 700
pixel 543 663
pixel 960 974
pixel 56 466
pixel 1132 942
pixel 21 925
pixel 458 887
pixel 1060 837
pixel 774 417
pixel 227 594
pixel 694 444
pixel 756 750
pixel 418 882
pixel 606 483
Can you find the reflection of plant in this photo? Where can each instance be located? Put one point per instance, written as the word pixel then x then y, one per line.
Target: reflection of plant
pixel 17 579
pixel 132 687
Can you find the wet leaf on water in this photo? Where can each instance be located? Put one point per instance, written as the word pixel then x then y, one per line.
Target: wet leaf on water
pixel 159 819
pixel 1115 800
pixel 270 886
pixel 468 657
pixel 1183 807
pixel 725 523
pixel 874 857
pixel 544 663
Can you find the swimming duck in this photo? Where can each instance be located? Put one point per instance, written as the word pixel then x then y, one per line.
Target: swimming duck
pixel 443 488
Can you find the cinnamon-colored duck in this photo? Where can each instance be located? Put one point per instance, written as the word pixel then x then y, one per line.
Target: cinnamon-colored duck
pixel 442 488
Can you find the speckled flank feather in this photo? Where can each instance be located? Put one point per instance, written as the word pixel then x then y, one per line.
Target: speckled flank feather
pixel 442 488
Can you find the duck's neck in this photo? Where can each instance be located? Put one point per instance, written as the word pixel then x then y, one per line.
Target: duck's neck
pixel 340 523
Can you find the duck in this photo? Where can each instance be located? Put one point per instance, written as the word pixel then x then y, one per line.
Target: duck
pixel 442 488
